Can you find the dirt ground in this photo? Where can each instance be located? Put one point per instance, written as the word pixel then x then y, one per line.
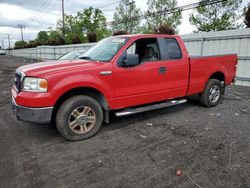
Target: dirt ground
pixel 211 147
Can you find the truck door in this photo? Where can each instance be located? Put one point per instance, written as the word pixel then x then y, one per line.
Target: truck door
pixel 176 65
pixel 149 81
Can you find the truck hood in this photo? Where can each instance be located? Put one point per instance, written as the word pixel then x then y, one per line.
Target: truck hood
pixel 39 69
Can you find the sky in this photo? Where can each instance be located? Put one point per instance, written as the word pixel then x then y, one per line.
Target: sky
pixel 39 15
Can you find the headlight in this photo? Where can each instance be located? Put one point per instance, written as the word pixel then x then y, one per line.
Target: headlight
pixel 35 84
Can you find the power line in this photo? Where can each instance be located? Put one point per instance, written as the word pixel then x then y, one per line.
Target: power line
pixel 37 11
pixel 56 2
pixel 9 40
pixel 107 5
pixel 48 9
pixel 166 11
pixel 41 9
pixel 104 6
pixel 161 12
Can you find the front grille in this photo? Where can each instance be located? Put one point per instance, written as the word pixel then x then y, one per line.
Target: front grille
pixel 18 81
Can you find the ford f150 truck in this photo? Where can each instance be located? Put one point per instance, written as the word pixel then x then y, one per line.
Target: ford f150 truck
pixel 126 74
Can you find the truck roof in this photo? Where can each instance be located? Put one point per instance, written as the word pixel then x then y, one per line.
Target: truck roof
pixel 146 35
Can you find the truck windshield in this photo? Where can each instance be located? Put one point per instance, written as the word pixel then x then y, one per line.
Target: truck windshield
pixel 104 50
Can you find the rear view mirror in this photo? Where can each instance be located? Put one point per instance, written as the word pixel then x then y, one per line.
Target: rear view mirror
pixel 131 60
pixel 128 60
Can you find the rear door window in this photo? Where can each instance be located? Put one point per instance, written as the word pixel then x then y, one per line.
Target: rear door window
pixel 173 49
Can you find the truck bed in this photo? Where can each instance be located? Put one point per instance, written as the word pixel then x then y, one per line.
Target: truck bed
pixel 203 67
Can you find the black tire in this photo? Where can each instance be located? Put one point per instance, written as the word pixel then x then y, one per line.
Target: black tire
pixel 65 113
pixel 206 98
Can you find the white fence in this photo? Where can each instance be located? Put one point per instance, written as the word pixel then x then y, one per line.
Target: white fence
pixel 49 52
pixel 223 42
pixel 211 43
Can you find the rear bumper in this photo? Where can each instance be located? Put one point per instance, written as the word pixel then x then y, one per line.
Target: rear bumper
pixel 32 115
pixel 234 80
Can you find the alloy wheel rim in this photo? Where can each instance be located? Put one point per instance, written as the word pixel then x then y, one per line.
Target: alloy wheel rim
pixel 82 119
pixel 214 94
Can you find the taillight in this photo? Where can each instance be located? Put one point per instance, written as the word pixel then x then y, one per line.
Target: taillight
pixel 235 66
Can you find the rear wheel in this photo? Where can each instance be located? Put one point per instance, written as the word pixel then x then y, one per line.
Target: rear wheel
pixel 212 94
pixel 79 117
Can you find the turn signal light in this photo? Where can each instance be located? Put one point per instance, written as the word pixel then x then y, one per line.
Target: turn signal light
pixel 43 84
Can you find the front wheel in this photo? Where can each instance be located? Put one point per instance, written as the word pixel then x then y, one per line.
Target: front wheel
pixel 212 94
pixel 79 117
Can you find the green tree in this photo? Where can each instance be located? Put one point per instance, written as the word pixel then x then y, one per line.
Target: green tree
pixel 126 17
pixel 33 43
pixel 42 37
pixel 89 20
pixel 20 44
pixel 55 38
pixel 164 29
pixel 217 16
pixel 158 15
pixel 247 16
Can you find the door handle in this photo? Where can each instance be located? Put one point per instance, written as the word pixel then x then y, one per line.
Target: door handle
pixel 162 70
pixel 104 73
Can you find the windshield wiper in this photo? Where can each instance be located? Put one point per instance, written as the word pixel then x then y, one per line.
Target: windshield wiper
pixel 85 57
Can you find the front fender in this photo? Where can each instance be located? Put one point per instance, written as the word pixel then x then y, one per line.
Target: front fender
pixel 64 84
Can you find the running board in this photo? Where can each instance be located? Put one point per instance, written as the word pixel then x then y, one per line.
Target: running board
pixel 131 111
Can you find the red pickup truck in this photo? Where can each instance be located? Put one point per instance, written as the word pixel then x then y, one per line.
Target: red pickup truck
pixel 126 74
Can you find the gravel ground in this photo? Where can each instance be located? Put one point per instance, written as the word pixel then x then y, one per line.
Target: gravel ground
pixel 211 146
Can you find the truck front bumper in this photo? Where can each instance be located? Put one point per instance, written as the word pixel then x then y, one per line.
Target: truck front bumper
pixel 32 115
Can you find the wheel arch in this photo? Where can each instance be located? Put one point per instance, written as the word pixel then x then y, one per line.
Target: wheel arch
pixel 218 75
pixel 92 92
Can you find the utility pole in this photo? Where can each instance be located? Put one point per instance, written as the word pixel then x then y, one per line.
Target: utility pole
pixel 21 27
pixel 63 29
pixel 127 6
pixel 8 41
pixel 2 44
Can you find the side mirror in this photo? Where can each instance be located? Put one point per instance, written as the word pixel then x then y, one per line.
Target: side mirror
pixel 131 60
